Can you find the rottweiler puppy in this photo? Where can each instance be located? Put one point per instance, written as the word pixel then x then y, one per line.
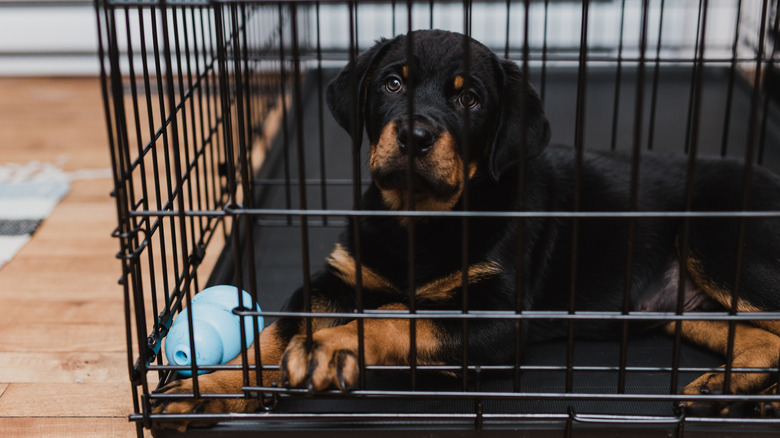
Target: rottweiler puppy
pixel 476 138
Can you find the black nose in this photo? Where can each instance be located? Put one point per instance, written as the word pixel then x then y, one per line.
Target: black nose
pixel 416 141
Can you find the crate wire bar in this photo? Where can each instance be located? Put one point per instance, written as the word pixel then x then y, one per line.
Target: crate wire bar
pixel 228 170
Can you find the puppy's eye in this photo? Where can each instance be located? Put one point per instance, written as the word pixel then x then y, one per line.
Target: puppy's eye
pixel 468 99
pixel 393 85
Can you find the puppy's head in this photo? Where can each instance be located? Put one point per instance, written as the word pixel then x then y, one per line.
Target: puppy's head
pixel 433 122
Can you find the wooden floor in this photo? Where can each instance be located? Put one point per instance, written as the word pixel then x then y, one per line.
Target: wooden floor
pixel 63 366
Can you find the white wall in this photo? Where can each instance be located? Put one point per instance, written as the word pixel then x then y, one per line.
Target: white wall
pixel 62 40
pixel 563 21
pixel 48 40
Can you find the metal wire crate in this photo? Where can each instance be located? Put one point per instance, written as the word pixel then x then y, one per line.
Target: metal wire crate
pixel 228 170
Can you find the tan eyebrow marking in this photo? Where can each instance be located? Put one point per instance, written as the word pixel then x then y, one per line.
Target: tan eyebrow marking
pixel 405 71
pixel 458 83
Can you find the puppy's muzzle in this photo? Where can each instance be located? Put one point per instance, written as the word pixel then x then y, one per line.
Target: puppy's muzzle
pixel 416 140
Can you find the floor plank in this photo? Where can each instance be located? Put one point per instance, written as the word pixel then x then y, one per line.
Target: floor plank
pixel 67 427
pixel 63 309
pixel 59 367
pixel 63 337
pixel 79 276
pixel 63 361
pixel 72 110
pixel 65 400
pixel 63 365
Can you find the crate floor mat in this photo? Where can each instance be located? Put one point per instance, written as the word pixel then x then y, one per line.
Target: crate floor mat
pixel 278 255
pixel 28 194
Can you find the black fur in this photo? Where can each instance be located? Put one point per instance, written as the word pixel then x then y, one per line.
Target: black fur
pixel 510 119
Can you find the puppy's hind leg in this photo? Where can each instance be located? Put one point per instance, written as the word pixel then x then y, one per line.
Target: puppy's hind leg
pixel 735 263
pixel 754 347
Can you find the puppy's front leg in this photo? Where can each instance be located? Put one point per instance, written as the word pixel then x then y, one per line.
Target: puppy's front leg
pixel 330 360
pixel 224 381
pixel 273 342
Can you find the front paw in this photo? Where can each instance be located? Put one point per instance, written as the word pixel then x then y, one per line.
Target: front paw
pixel 193 405
pixel 328 361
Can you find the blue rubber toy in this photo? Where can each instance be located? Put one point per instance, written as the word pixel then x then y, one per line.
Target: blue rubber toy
pixel 216 328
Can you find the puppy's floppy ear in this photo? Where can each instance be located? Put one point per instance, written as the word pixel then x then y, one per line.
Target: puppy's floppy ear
pixel 513 119
pixel 341 95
